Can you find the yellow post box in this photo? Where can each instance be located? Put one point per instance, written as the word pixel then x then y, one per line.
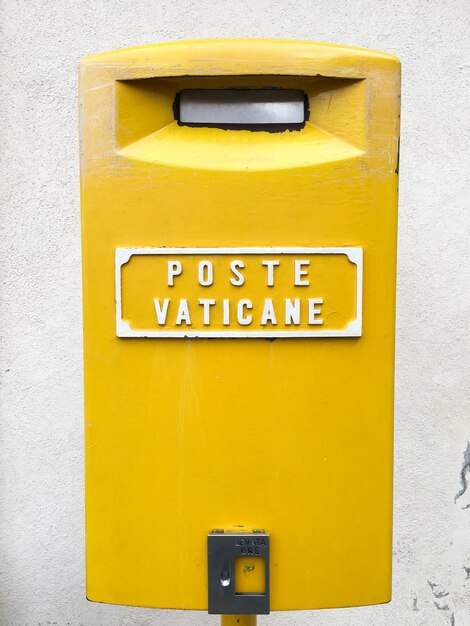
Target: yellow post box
pixel 239 210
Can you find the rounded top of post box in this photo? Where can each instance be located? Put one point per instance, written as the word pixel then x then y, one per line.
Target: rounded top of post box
pixel 244 56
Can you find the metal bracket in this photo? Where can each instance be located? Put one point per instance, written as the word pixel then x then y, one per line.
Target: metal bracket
pixel 222 550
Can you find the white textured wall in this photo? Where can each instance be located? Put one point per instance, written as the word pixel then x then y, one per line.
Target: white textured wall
pixel 41 561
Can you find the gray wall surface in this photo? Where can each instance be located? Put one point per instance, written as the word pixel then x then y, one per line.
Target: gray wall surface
pixel 41 450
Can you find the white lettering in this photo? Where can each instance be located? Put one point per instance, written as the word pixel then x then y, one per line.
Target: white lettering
pixel 292 311
pixel 175 268
pixel 313 311
pixel 239 278
pixel 268 313
pixel 161 311
pixel 270 265
pixel 299 272
pixel 207 306
pixel 206 267
pixel 244 320
pixel 183 313
pixel 226 312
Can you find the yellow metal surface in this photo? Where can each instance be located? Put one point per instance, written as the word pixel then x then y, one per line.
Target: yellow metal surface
pixel 184 435
pixel 249 574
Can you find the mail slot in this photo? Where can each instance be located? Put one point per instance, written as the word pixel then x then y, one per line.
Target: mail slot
pixel 239 211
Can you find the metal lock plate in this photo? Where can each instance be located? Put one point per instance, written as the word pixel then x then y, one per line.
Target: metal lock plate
pixel 223 551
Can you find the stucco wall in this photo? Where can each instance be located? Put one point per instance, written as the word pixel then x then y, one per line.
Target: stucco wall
pixel 41 484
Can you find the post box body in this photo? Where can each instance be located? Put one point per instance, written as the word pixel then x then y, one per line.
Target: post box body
pixel 261 413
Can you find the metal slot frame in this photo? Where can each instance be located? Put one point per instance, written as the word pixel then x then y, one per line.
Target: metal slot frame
pixel 270 109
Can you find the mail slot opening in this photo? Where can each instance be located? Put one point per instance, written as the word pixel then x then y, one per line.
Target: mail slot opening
pixel 266 109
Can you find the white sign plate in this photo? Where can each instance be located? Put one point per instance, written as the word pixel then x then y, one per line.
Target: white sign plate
pixel 238 292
